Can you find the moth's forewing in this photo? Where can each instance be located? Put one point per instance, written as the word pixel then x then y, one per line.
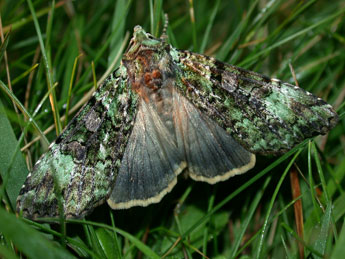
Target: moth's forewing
pixel 264 115
pixel 81 166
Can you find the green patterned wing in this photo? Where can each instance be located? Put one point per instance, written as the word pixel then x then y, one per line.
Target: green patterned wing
pixel 80 167
pixel 264 115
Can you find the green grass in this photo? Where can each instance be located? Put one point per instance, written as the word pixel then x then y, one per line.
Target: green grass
pixel 251 215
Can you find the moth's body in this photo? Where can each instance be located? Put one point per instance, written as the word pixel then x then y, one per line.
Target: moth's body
pixel 164 111
pixel 152 81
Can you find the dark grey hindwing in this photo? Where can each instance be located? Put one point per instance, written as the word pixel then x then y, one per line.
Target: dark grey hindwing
pixel 150 164
pixel 212 155
pixel 264 115
pixel 82 164
pixel 158 151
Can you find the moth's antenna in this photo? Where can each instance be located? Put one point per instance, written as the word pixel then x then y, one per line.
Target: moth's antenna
pixel 293 74
pixel 164 35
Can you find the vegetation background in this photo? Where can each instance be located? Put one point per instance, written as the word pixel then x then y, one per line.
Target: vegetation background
pixel 291 206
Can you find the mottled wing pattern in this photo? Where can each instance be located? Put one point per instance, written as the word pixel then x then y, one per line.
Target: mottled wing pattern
pixel 163 111
pixel 167 137
pixel 264 115
pixel 82 164
pixel 212 155
pixel 150 164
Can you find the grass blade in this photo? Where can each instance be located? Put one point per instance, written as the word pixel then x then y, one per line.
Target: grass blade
pixel 36 246
pixel 47 70
pixel 17 171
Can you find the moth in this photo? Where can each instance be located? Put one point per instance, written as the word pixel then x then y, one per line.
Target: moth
pixel 164 111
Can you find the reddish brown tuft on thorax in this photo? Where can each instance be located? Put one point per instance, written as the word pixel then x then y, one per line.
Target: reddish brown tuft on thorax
pixel 156 74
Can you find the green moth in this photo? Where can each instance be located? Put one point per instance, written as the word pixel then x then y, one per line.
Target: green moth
pixel 161 112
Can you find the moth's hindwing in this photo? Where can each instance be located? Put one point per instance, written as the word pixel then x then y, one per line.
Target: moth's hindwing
pixel 212 155
pixel 264 115
pixel 81 166
pixel 168 136
pixel 151 162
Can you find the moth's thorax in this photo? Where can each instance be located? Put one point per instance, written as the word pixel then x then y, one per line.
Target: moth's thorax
pixel 148 65
pixel 147 71
pixel 149 74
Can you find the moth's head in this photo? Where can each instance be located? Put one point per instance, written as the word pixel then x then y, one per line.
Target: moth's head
pixel 142 40
pixel 147 62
